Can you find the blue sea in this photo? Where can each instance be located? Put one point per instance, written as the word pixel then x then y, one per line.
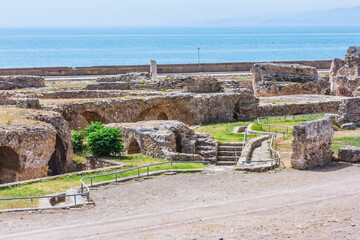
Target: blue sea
pixel 128 46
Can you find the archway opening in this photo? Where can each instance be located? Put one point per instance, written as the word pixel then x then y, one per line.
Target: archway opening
pixel 178 141
pixel 9 165
pixel 93 117
pixel 134 147
pixel 58 159
pixel 163 116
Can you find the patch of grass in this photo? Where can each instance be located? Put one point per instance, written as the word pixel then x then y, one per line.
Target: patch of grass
pixel 60 185
pixel 289 121
pixel 223 132
pixel 340 142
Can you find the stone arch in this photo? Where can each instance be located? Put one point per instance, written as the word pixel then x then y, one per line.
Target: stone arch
pixel 93 117
pixel 9 165
pixel 134 147
pixel 178 142
pixel 57 162
pixel 163 116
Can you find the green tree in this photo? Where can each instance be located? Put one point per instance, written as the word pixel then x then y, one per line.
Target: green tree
pixel 105 141
pixel 78 142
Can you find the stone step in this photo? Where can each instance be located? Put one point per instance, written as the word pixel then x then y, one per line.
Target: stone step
pixel 229 148
pixel 228 153
pixel 207 154
pixel 238 144
pixel 221 163
pixel 226 158
pixel 204 147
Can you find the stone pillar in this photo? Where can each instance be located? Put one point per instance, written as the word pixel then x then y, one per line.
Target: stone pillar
pixel 153 69
pixel 311 145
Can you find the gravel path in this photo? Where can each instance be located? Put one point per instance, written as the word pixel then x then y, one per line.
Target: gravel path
pixel 222 203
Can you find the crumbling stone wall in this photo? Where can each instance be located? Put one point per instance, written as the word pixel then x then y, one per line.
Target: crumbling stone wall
pixel 272 79
pixel 345 74
pixel 311 143
pixel 13 82
pixel 185 107
pixel 33 144
pixel 349 110
pixel 25 150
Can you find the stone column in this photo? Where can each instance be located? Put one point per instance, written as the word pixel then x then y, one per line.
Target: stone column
pixel 153 69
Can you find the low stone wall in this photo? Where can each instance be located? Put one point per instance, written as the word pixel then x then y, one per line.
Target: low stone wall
pixel 296 108
pixel 14 82
pixel 311 145
pixel 142 81
pixel 168 68
pixel 249 148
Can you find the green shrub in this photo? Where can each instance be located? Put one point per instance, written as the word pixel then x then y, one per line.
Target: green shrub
pixel 78 138
pixel 105 142
pixel 93 127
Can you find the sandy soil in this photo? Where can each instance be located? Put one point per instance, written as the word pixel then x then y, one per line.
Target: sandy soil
pixel 222 203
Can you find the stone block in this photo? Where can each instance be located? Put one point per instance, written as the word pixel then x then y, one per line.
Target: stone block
pixel 32 103
pixel 348 126
pixel 349 154
pixel 311 144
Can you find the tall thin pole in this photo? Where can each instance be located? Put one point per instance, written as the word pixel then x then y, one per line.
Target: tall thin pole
pixel 199 56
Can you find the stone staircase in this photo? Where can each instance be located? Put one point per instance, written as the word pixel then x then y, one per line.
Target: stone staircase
pixel 226 153
pixel 206 146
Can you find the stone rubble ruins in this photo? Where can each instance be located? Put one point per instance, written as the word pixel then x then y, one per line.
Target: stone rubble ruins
pixel 154 115
pixel 345 74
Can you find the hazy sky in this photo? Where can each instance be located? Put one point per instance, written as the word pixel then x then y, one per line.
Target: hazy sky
pixel 66 13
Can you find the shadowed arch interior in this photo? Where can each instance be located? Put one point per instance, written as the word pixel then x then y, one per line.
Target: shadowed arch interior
pixel 93 117
pixel 178 141
pixel 163 116
pixel 58 159
pixel 9 165
pixel 134 147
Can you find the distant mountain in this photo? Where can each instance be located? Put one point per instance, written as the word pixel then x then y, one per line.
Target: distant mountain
pixel 333 17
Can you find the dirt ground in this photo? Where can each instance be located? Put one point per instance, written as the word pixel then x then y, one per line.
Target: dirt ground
pixel 219 204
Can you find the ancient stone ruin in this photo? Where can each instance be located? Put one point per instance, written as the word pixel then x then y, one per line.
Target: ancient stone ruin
pixel 311 143
pixel 189 108
pixel 34 144
pixel 273 79
pixel 345 74
pixel 171 140
pixel 14 82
